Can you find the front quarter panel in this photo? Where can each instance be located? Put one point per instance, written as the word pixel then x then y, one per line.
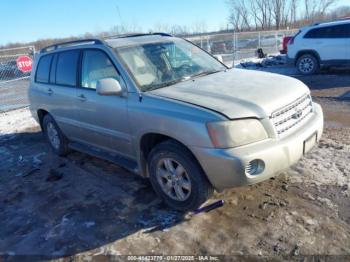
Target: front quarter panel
pixel 183 122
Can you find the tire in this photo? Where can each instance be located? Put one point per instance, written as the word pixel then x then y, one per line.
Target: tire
pixel 186 176
pixel 54 136
pixel 307 64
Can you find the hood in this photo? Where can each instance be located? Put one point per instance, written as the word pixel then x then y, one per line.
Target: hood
pixel 238 93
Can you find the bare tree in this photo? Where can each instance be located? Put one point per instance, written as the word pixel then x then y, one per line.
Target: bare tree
pixel 239 14
pixel 261 12
pixel 199 27
pixel 235 19
pixel 316 9
pixel 161 27
pixel 279 13
pixel 293 11
pixel 179 30
pixel 342 12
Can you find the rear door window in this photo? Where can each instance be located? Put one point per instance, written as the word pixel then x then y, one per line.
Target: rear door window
pixel 336 31
pixel 67 67
pixel 43 71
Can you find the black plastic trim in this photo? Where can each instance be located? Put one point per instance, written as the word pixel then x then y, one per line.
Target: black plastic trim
pixel 64 44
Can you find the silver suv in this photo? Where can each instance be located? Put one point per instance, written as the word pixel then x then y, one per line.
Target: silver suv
pixel 321 45
pixel 165 109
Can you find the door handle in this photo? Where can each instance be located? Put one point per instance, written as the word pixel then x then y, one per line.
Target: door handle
pixel 82 98
pixel 49 92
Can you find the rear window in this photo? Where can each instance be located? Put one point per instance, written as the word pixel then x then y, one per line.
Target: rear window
pixel 43 71
pixel 337 31
pixel 67 67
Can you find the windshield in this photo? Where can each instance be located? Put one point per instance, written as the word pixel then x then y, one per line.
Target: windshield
pixel 161 64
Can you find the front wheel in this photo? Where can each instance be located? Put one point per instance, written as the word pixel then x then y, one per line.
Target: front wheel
pixel 307 64
pixel 177 177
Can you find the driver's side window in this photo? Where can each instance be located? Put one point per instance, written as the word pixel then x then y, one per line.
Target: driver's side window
pixel 95 66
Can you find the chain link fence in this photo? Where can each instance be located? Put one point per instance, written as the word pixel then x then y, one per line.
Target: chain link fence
pixel 236 46
pixel 15 69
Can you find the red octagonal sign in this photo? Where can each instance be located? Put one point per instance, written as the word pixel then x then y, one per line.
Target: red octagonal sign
pixel 24 64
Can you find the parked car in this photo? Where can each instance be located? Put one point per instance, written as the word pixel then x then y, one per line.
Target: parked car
pixel 321 45
pixel 243 43
pixel 163 108
pixel 218 48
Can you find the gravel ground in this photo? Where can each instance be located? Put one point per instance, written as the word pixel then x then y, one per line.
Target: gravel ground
pixel 81 206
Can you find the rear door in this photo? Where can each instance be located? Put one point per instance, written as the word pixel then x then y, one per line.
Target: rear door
pixel 347 33
pixel 103 119
pixel 55 84
pixel 64 77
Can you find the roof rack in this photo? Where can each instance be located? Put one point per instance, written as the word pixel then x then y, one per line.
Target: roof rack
pixel 137 35
pixel 336 20
pixel 71 43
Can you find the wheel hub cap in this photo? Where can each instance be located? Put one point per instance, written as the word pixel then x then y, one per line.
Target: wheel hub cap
pixel 173 179
pixel 306 65
pixel 52 134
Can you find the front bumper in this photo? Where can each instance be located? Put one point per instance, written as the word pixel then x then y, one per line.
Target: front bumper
pixel 225 168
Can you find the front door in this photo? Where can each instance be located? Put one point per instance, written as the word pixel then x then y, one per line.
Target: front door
pixel 103 119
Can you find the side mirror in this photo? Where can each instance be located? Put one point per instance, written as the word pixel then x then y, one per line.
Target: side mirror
pixel 108 87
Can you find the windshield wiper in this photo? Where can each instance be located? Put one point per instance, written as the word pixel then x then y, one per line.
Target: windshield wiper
pixel 205 73
pixel 158 86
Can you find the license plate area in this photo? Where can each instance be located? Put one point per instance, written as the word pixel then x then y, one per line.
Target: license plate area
pixel 309 143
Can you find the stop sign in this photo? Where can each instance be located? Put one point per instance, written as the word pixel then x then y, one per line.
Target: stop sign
pixel 24 63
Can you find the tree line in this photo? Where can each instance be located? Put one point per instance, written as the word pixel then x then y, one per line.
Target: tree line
pixel 248 15
pixel 244 15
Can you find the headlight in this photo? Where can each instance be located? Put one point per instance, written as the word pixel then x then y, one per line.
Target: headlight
pixel 227 134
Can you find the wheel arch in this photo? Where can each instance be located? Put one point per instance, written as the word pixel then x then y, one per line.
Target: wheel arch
pixel 150 140
pixel 41 114
pixel 309 52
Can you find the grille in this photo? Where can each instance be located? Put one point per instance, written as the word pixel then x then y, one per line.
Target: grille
pixel 292 115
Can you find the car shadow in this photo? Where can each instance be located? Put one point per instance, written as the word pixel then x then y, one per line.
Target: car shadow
pixel 53 207
pixel 326 79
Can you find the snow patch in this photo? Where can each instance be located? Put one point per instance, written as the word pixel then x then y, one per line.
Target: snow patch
pixel 14 122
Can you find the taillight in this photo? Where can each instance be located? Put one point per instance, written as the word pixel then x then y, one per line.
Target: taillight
pixel 291 41
pixel 285 42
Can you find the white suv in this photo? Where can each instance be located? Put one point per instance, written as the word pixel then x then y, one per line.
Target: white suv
pixel 321 45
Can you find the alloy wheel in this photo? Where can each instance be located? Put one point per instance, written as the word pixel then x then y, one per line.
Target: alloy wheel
pixel 173 179
pixel 306 65
pixel 53 136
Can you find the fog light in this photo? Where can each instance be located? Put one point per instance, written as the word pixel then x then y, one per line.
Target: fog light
pixel 255 167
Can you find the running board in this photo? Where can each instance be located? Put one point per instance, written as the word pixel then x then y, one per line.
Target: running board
pixel 119 160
